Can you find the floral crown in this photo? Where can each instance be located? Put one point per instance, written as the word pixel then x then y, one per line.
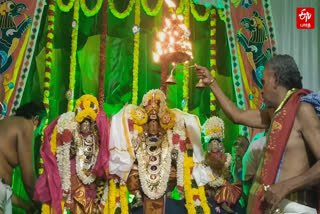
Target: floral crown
pixel 86 107
pixel 213 128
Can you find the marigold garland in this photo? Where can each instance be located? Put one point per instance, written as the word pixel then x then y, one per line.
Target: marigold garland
pixel 196 15
pixel 139 116
pixel 90 12
pixel 88 111
pixel 136 55
pixel 48 69
pixel 148 10
pixel 63 7
pixel 73 57
pixel 112 197
pixel 191 192
pixel 123 14
pixel 213 23
pixel 186 70
pixel 124 199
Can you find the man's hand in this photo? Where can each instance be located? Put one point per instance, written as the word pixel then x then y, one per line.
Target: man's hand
pixel 204 74
pixel 273 195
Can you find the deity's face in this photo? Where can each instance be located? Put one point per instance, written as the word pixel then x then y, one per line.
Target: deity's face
pixel 153 127
pixel 214 146
pixel 85 126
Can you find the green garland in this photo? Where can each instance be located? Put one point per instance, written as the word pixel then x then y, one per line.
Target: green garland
pixel 90 12
pixel 148 10
pixel 125 13
pixel 63 7
pixel 196 15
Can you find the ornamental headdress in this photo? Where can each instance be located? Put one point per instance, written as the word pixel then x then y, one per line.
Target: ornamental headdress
pixel 154 107
pixel 87 106
pixel 213 128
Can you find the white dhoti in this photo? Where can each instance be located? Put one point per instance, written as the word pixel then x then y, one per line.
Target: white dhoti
pixel 290 207
pixel 5 198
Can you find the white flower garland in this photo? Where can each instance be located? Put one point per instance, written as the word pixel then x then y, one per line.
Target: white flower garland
pixel 164 172
pixel 65 122
pixel 179 129
pixel 219 180
pixel 63 157
pixel 105 194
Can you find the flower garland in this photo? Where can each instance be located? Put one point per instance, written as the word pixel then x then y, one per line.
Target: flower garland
pixel 123 14
pixel 84 109
pixel 112 197
pixel 155 10
pixel 65 124
pixel 117 198
pixel 103 47
pixel 90 12
pixel 63 7
pixel 124 199
pixel 73 57
pixel 196 15
pixel 136 47
pixel 185 69
pixel 195 197
pixel 213 23
pixel 48 69
pixel 179 130
pixel 219 180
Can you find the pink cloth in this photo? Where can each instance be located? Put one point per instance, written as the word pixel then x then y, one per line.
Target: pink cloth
pixel 102 164
pixel 48 187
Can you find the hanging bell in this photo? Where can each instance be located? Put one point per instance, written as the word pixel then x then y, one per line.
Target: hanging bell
pixel 200 84
pixel 170 80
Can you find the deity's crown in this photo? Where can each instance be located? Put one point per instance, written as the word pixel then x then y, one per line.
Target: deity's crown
pixel 86 107
pixel 154 103
pixel 213 128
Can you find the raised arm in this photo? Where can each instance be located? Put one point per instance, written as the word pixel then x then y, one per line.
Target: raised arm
pixel 251 118
pixel 25 138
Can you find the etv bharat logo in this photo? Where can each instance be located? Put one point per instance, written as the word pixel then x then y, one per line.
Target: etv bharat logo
pixel 305 18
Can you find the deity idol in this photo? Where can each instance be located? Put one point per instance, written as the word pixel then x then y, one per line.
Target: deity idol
pixel 75 157
pixel 153 149
pixel 220 189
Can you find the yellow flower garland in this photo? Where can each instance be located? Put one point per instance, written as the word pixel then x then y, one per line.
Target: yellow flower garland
pixel 73 57
pixel 86 100
pixel 186 70
pixel 139 116
pixel 114 193
pixel 63 7
pixel 125 13
pixel 90 12
pixel 172 119
pixel 196 15
pixel 112 196
pixel 213 23
pixel 136 55
pixel 124 199
pixel 189 191
pixel 148 10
